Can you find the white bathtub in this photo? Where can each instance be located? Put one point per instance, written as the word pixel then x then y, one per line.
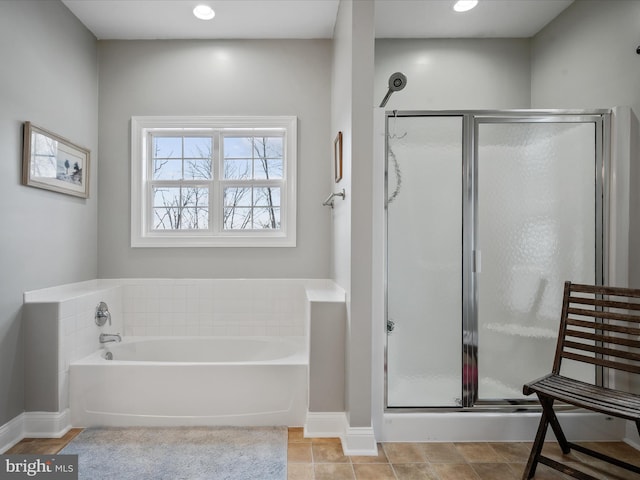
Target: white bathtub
pixel 171 381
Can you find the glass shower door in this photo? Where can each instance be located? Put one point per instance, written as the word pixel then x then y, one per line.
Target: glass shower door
pixel 424 261
pixel 488 214
pixel 536 228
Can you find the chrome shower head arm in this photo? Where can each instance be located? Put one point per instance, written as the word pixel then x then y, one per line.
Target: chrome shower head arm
pixel 386 98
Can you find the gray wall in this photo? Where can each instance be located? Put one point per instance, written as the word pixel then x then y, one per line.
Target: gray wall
pixel 450 74
pixel 215 78
pixel 351 232
pixel 49 77
pixel 586 58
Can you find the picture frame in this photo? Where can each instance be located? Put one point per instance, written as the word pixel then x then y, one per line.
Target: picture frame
pixel 337 157
pixel 52 162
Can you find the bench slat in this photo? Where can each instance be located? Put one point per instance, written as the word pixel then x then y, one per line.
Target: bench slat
pixel 604 290
pixel 597 302
pixel 602 362
pixel 588 388
pixel 604 314
pixel 603 326
pixel 609 352
pixel 581 394
pixel 629 342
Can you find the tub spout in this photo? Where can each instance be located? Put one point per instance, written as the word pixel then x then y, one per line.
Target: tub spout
pixel 110 337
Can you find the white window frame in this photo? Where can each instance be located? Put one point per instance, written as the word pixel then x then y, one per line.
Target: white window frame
pixel 142 235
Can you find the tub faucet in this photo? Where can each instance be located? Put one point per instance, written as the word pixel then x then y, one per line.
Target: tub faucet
pixel 110 337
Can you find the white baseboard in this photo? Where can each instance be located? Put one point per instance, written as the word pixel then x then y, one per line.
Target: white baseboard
pixel 47 424
pixel 11 432
pixel 34 425
pixel 495 427
pixel 325 424
pixel 355 440
pixel 359 441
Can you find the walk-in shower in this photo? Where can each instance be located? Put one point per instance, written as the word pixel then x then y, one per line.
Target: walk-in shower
pixel 487 214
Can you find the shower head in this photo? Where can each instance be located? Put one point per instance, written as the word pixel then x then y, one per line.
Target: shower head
pixel 397 81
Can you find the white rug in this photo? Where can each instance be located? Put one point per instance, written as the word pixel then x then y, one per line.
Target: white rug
pixel 182 453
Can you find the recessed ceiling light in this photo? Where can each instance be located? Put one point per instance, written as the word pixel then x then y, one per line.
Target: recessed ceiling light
pixel 465 5
pixel 204 12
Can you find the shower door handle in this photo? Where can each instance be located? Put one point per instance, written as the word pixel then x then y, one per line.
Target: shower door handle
pixel 390 326
pixel 477 261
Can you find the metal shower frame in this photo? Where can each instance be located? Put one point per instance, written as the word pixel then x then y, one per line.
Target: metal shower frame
pixel 471 119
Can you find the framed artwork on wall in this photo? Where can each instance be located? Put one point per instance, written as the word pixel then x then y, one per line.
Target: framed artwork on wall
pixel 337 157
pixel 54 163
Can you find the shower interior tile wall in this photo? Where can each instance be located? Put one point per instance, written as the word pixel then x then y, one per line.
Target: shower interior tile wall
pixel 213 307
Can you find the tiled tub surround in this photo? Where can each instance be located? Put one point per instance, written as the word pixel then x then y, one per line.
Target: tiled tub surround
pixel 157 308
pixel 60 328
pixel 216 307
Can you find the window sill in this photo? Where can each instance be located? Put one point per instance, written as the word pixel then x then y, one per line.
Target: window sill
pixel 225 241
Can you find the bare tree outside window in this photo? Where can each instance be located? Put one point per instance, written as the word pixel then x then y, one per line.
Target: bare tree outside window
pixel 182 183
pixel 183 205
pixel 256 160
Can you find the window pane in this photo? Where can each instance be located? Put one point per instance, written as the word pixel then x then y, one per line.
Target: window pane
pixel 237 196
pixel 195 197
pixel 267 147
pixel 237 169
pixel 167 169
pixel 266 218
pixel 167 147
pixel 237 218
pixel 166 196
pixel 266 197
pixel 274 147
pixel 166 218
pixel 237 147
pixel 194 219
pixel 203 217
pixel 268 168
pixel 197 169
pixel 197 147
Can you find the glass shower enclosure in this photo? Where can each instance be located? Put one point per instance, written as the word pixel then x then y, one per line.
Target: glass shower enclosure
pixel 487 214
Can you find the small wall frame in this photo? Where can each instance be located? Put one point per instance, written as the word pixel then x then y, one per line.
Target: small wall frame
pixel 337 157
pixel 54 163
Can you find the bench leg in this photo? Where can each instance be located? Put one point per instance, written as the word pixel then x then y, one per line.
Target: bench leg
pixel 548 418
pixel 536 449
pixel 547 406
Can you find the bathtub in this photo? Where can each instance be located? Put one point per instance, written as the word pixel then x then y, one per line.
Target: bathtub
pixel 177 381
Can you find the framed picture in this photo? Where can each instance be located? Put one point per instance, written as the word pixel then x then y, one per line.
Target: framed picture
pixel 54 163
pixel 337 157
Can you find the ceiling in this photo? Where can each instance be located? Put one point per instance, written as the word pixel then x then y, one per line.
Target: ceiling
pixel 270 19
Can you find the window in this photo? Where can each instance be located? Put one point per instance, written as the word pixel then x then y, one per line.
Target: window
pixel 213 181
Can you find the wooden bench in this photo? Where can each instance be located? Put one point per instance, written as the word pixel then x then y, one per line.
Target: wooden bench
pixel 599 326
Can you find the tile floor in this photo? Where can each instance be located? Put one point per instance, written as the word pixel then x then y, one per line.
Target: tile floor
pixel 322 459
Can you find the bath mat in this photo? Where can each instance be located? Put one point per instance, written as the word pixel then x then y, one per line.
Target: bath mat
pixel 181 453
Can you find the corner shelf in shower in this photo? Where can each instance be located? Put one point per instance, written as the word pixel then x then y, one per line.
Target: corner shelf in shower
pixel 513 329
